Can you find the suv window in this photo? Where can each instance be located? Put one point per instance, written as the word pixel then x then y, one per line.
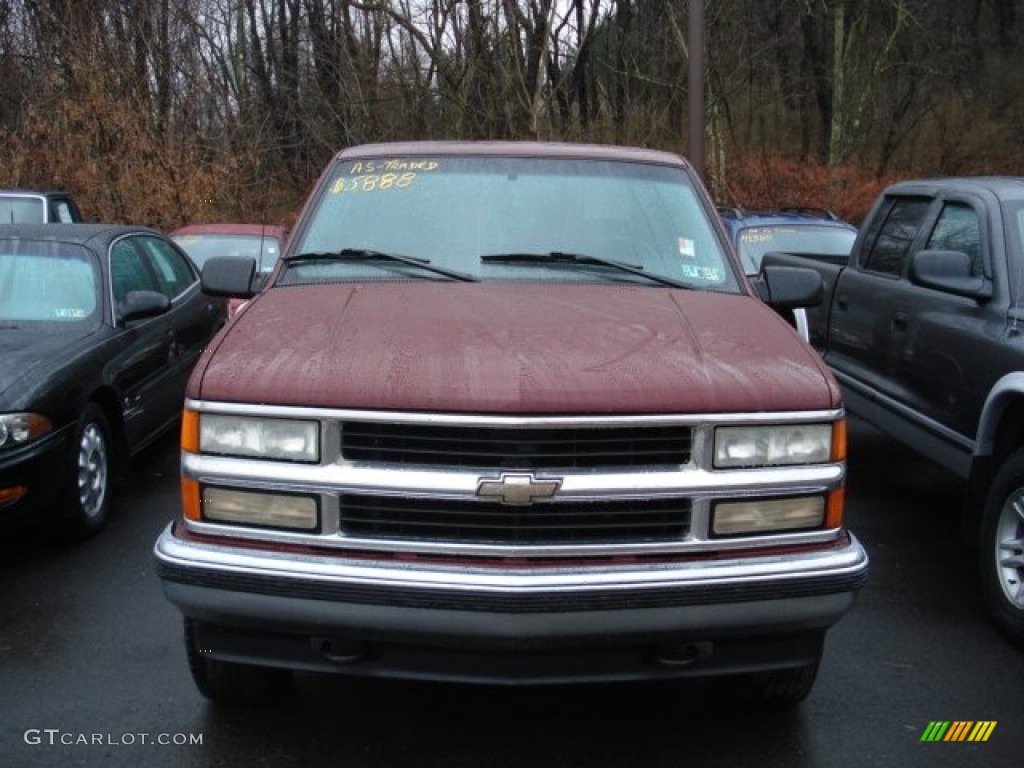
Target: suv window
pixel 958 229
pixel 892 246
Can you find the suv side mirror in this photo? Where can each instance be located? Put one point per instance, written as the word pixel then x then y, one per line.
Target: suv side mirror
pixel 229 276
pixel 789 287
pixel 951 272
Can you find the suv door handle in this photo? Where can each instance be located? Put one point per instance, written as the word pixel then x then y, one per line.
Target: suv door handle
pixel 899 321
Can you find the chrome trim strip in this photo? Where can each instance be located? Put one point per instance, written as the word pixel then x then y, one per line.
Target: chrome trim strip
pixel 690 546
pixel 170 550
pixel 462 483
pixel 491 420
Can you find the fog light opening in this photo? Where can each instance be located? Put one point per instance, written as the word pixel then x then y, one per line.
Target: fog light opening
pixel 679 655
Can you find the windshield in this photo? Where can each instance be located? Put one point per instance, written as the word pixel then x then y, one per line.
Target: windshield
pixel 455 211
pixel 201 247
pixel 755 242
pixel 47 286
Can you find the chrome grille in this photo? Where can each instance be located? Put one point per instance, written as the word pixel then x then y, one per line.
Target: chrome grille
pixel 482 522
pixel 514 447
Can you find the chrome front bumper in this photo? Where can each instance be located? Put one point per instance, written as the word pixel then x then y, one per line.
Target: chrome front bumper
pixel 283 609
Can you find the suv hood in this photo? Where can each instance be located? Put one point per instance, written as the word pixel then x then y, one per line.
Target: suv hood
pixel 513 348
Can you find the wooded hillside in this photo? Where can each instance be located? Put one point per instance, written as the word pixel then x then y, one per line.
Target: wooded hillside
pixel 172 111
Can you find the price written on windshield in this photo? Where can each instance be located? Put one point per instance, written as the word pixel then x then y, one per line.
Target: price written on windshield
pixel 373 182
pixel 381 175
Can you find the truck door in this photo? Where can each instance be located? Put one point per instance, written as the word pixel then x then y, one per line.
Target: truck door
pixel 947 351
pixel 867 329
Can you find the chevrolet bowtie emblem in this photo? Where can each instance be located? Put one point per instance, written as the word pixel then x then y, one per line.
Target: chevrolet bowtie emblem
pixel 517 489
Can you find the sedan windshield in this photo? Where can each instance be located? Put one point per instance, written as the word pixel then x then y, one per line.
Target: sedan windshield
pixel 48 286
pixel 478 216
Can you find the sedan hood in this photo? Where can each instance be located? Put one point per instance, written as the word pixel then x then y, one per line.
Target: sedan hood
pixel 25 353
pixel 513 348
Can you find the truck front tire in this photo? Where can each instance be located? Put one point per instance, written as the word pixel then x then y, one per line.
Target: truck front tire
pixel 1001 548
pixel 780 689
pixel 229 683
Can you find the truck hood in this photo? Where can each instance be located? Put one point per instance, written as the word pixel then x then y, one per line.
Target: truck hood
pixel 512 348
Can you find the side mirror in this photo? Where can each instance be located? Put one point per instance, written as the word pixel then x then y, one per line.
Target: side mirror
pixel 950 272
pixel 229 276
pixel 141 304
pixel 789 287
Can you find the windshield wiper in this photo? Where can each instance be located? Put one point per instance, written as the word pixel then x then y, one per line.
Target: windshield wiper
pixel 562 257
pixel 365 254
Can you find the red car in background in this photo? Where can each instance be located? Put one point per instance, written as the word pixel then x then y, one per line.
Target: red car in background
pixel 262 242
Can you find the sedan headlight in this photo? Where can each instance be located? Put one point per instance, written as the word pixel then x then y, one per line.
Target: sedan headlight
pixel 259 438
pixel 18 428
pixel 774 445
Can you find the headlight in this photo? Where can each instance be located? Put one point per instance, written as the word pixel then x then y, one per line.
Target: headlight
pixel 769 446
pixel 265 509
pixel 258 438
pixel 18 428
pixel 744 518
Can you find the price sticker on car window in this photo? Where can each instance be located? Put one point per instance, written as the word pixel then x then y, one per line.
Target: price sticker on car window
pixel 757 236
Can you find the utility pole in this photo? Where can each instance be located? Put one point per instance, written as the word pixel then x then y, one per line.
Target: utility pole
pixel 695 32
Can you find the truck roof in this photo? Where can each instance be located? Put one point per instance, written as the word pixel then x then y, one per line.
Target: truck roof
pixel 1004 187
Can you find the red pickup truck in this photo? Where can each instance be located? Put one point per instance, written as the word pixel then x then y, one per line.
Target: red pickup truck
pixel 512 413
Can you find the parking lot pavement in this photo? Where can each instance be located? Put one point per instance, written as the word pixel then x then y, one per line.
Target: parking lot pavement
pixel 93 672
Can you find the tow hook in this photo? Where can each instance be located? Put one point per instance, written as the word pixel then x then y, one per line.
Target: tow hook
pixel 338 651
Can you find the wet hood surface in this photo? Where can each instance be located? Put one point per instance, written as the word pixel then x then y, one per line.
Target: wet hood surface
pixel 512 348
pixel 26 355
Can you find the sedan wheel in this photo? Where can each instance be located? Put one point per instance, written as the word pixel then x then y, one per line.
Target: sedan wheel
pixel 93 470
pixel 87 501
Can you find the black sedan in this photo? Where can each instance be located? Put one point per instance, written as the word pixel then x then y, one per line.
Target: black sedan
pixel 100 326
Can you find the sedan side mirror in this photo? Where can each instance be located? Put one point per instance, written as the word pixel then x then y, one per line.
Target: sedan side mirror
pixel 141 304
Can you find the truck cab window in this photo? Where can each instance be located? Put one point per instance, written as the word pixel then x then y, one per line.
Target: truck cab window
pixel 892 246
pixel 957 229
